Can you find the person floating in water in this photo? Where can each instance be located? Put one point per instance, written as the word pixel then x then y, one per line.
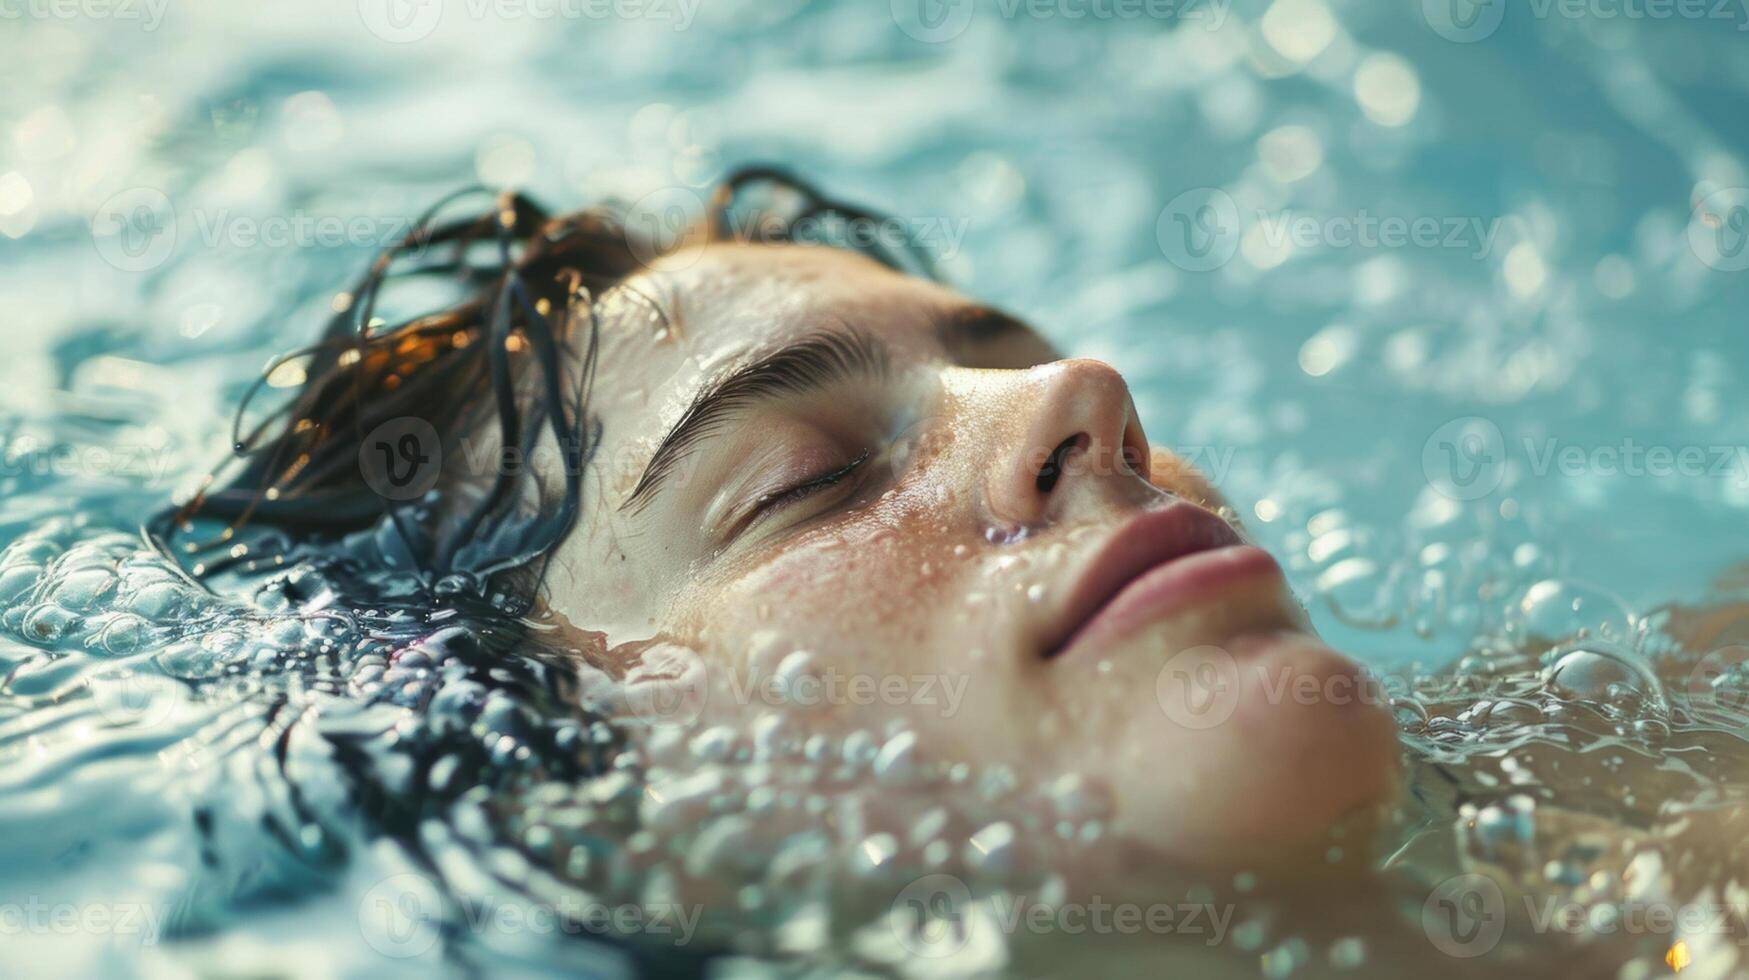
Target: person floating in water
pixel 731 444
pixel 791 537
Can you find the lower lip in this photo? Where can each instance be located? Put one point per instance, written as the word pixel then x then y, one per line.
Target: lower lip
pixel 1172 588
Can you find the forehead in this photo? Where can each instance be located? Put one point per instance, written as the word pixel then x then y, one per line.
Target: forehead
pixel 746 297
pixel 699 313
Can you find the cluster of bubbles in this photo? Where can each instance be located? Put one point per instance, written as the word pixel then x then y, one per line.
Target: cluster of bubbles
pixel 1595 768
pixel 791 836
pixel 1579 753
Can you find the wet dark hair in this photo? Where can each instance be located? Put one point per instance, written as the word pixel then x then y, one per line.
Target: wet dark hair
pixel 520 344
pixel 436 585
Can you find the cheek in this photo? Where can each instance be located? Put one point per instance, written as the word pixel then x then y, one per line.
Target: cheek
pixel 879 602
pixel 859 590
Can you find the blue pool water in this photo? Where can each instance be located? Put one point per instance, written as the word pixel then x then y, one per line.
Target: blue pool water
pixel 1444 310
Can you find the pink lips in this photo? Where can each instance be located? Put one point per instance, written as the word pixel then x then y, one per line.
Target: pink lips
pixel 1160 563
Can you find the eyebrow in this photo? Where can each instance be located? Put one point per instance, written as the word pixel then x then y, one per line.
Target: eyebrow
pixel 978 324
pixel 807 365
pixel 981 336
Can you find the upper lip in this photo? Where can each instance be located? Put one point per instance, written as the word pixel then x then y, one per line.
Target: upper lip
pixel 1147 541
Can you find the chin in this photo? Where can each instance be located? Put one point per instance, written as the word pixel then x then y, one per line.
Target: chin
pixel 1262 745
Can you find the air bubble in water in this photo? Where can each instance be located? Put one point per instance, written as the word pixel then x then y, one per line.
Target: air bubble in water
pixel 123 633
pixel 16 580
pixel 714 744
pixel 897 761
pixel 1601 671
pixel 790 678
pixel 992 849
pixel 49 622
pixel 1553 610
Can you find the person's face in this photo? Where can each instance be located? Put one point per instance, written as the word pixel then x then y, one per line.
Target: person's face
pixel 970 536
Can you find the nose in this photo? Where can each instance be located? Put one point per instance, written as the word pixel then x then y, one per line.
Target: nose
pixel 1077 423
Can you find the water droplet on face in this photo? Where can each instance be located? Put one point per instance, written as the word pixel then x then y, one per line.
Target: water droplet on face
pixel 1007 535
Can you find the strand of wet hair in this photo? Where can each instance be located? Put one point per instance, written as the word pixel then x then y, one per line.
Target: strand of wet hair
pixel 257 491
pixel 817 203
pixel 298 480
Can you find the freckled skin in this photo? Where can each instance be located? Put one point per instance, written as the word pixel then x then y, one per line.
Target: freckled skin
pixel 903 580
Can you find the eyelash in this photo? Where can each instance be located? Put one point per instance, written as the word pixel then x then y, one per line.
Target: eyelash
pixel 773 502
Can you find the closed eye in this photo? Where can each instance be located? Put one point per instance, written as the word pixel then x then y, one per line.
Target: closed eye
pixel 770 503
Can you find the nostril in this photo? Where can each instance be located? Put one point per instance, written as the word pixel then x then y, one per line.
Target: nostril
pixel 1137 461
pixel 1052 470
